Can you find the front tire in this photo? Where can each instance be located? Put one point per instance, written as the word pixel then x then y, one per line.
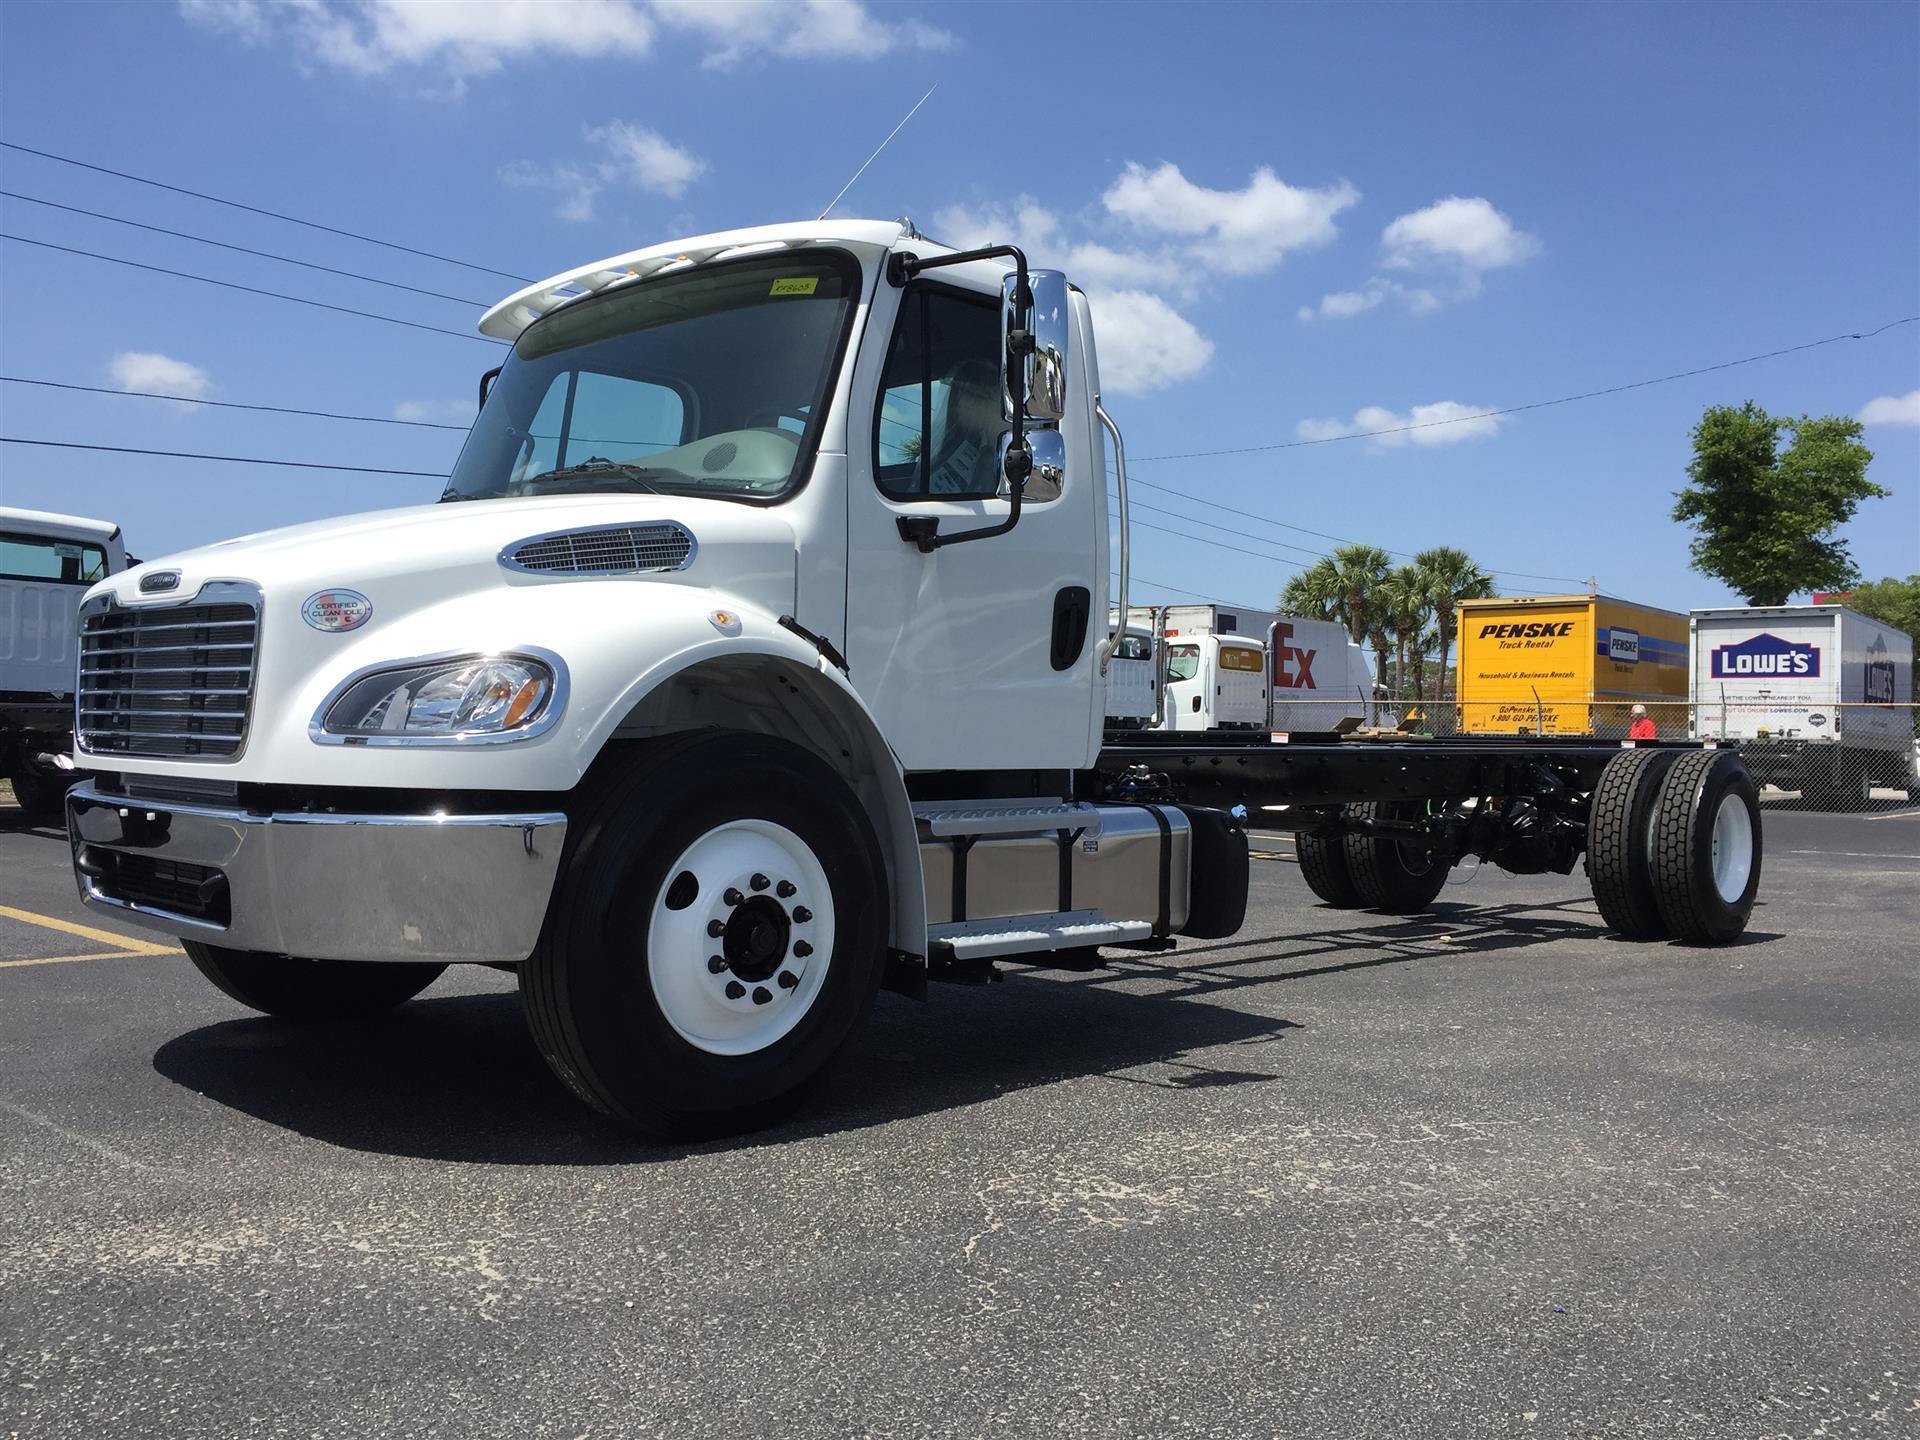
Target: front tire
pixel 717 935
pixel 310 990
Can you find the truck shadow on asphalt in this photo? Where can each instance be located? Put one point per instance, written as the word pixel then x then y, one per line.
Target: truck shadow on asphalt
pixel 457 1078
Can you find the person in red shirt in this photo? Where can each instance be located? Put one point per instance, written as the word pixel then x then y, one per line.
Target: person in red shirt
pixel 1643 727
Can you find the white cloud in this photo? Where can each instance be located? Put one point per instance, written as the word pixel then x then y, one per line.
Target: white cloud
pixel 1467 233
pixel 435 412
pixel 626 154
pixel 1342 304
pixel 799 29
pixel 466 38
pixel 1892 410
pixel 1239 232
pixel 159 375
pixel 1145 344
pixel 1448 423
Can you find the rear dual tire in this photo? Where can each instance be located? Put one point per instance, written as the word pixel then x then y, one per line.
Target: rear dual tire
pixel 1374 872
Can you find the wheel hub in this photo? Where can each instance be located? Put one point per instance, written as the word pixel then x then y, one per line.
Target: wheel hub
pixel 755 940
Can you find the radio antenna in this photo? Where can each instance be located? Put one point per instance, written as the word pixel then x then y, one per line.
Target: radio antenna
pixel 876 154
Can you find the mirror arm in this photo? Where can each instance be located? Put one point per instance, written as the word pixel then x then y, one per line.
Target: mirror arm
pixel 901 268
pixel 486 383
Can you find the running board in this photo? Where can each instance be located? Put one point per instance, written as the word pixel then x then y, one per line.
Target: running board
pixel 952 819
pixel 1026 934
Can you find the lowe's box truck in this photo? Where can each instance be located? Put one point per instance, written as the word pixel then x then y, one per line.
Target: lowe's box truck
pixel 1818 697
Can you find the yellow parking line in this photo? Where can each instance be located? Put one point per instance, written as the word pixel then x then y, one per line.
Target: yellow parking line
pixel 70 959
pixel 126 944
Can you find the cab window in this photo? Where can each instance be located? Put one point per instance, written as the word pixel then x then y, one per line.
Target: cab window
pixel 937 436
pixel 1183 662
pixel 63 562
pixel 1236 657
pixel 1133 647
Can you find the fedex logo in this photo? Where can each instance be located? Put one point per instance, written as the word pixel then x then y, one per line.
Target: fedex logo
pixel 1292 668
pixel 1764 657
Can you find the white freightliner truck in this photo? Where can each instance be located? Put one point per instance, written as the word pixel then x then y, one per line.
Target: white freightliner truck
pixel 748 666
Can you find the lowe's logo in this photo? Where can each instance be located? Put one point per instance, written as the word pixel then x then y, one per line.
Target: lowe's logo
pixel 1623 645
pixel 1878 688
pixel 1764 657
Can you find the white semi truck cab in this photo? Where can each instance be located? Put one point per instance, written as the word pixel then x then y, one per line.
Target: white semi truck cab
pixel 747 663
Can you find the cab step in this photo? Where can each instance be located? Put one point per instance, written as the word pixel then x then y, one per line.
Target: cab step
pixel 952 819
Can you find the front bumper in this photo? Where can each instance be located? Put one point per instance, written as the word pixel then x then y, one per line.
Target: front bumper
pixel 320 886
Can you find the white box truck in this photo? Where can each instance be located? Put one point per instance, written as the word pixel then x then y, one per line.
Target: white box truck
pixel 1819 698
pixel 1310 676
pixel 47 563
pixel 751 663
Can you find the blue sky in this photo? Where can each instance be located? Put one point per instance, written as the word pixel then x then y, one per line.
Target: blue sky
pixel 1295 222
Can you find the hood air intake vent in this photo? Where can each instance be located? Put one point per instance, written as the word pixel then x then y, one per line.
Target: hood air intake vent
pixel 604 550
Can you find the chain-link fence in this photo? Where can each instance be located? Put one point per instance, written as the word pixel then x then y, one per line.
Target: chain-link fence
pixel 1848 757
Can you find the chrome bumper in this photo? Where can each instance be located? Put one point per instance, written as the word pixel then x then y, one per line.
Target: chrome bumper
pixel 323 887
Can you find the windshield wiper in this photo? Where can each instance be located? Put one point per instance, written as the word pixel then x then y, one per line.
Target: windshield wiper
pixel 595 465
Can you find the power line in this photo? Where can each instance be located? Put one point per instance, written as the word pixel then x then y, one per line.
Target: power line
pixel 253 290
pixel 270 214
pixel 228 459
pixel 231 404
pixel 242 249
pixel 1538 404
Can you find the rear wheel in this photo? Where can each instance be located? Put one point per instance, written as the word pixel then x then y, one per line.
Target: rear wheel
pixel 1618 841
pixel 41 795
pixel 294 989
pixel 717 935
pixel 1706 847
pixel 1391 874
pixel 1323 865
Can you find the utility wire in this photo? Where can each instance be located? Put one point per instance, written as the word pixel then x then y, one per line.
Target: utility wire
pixel 228 459
pixel 231 404
pixel 254 290
pixel 242 249
pixel 270 214
pixel 1538 404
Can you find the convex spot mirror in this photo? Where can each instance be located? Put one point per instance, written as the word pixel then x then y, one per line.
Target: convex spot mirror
pixel 1040 371
pixel 1049 470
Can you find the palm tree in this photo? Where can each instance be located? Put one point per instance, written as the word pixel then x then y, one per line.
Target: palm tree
pixel 1315 593
pixel 1360 569
pixel 1452 576
pixel 1405 600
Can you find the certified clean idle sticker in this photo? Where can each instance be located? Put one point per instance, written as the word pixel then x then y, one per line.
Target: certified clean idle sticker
pixel 336 610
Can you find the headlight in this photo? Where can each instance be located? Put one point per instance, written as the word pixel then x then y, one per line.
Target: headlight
pixel 463 698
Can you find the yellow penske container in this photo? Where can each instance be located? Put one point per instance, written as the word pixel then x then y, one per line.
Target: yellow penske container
pixel 1569 665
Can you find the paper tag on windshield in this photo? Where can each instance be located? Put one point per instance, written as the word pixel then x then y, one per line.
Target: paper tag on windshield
pixel 796 285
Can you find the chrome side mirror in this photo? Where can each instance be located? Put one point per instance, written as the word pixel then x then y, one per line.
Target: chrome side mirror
pixel 1049 473
pixel 1034 345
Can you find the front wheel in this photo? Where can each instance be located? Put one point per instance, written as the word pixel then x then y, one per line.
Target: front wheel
pixel 717 935
pixel 294 989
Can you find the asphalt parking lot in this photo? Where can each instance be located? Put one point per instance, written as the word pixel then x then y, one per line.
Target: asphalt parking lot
pixel 1485 1172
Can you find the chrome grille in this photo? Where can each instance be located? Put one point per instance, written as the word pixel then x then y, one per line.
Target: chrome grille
pixel 603 550
pixel 175 680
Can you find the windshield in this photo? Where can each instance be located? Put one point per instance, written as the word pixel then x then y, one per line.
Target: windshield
pixel 708 381
pixel 1183 662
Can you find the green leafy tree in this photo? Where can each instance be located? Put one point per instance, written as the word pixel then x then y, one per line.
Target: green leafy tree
pixel 1452 576
pixel 1405 602
pixel 1764 518
pixel 1361 570
pixel 1893 602
pixel 1315 593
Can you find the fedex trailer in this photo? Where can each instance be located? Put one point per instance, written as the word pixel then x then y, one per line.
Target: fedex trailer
pixel 1818 697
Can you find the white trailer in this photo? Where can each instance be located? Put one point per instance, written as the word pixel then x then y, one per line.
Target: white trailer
pixel 757 667
pixel 47 563
pixel 1818 697
pixel 1134 674
pixel 1320 677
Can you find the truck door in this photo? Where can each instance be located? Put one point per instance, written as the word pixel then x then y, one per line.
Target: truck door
pixel 981 655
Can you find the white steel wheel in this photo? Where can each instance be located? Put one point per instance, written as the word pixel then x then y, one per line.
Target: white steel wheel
pixel 1732 848
pixel 740 937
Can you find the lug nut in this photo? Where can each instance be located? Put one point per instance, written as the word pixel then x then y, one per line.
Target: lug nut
pixel 735 989
pixel 734 897
pixel 801 914
pixel 786 889
pixel 716 928
pixel 716 963
pixel 788 979
pixel 759 882
pixel 761 995
pixel 802 949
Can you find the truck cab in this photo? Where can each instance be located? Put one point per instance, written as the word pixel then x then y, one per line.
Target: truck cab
pixel 1216 682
